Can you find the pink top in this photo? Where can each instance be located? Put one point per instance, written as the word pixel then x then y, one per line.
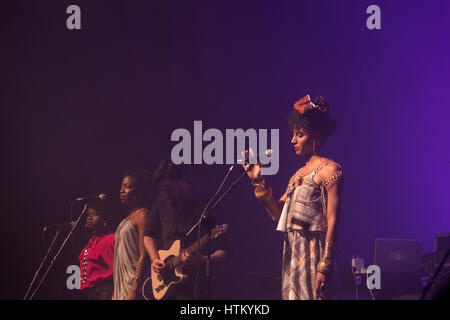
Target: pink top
pixel 96 260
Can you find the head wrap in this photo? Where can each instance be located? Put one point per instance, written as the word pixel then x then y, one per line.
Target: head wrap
pixel 305 104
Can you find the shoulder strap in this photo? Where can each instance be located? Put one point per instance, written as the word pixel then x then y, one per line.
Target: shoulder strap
pixel 318 169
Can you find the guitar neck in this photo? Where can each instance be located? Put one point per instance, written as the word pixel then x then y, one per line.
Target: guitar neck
pixel 191 249
pixel 197 245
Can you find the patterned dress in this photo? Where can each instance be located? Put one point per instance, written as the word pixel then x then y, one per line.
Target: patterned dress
pixel 303 220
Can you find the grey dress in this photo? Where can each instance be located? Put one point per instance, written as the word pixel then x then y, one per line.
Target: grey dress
pixel 126 257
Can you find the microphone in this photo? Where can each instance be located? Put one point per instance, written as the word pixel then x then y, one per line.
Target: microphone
pixel 267 154
pixel 100 196
pixel 60 225
pixel 265 159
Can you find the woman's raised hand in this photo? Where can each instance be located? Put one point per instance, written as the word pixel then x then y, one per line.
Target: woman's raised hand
pixel 255 172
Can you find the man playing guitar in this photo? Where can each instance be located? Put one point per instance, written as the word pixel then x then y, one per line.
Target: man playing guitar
pixel 175 210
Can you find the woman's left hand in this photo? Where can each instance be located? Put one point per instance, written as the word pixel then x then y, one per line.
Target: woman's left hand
pixel 192 259
pixel 320 282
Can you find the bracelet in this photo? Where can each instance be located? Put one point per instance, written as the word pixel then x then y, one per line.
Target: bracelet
pixel 260 186
pixel 323 267
pixel 263 193
pixel 259 183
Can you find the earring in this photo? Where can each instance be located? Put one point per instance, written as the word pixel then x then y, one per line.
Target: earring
pixel 314 147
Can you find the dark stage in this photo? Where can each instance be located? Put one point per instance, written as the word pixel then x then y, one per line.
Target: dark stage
pixel 82 106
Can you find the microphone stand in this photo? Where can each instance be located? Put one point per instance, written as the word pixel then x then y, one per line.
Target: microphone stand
pixel 199 222
pixel 204 216
pixel 42 263
pixel 59 251
pixel 430 284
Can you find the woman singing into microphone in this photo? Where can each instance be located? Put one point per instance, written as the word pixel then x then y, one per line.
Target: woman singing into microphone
pixel 308 212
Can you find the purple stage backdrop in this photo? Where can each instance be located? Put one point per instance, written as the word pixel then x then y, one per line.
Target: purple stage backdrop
pixel 79 107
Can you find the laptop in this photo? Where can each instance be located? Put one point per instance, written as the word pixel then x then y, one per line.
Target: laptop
pixel 398 255
pixel 400 263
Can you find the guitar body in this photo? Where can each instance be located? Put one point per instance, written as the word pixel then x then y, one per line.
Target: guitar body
pixel 163 283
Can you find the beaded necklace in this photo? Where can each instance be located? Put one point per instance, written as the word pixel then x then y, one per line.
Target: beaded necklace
pixel 298 176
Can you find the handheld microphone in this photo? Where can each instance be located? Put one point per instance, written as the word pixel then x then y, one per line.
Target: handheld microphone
pixel 100 196
pixel 268 153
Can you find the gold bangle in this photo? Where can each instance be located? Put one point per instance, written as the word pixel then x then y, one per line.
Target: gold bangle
pixel 263 193
pixel 261 182
pixel 260 188
pixel 323 267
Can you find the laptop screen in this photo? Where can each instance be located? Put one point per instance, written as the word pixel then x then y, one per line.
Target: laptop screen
pixel 398 255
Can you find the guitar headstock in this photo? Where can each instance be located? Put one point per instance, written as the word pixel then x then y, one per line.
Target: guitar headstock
pixel 219 230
